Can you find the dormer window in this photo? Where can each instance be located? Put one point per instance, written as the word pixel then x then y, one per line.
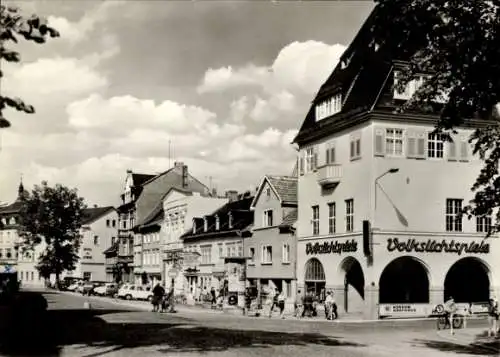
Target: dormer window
pixel 205 224
pixel 12 220
pixel 329 107
pixel 413 86
pixel 217 223
pixel 230 220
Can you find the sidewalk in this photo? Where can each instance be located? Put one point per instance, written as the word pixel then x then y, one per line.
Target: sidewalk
pixel 473 338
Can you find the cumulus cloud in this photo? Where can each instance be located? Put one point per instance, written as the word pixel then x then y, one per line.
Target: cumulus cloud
pixel 78 31
pixel 284 87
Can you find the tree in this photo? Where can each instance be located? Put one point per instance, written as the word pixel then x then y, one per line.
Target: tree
pixel 12 26
pixel 53 215
pixel 456 45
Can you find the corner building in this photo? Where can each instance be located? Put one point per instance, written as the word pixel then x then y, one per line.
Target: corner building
pixel 360 163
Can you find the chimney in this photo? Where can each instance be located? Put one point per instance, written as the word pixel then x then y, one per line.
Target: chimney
pixel 232 195
pixel 184 172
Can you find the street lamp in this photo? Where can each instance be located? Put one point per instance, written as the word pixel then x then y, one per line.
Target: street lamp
pixel 390 171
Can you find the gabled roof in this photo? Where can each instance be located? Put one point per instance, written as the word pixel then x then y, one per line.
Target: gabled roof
pixel 242 220
pixel 94 213
pixel 14 207
pixel 285 188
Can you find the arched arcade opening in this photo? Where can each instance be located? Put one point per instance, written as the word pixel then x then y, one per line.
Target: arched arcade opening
pixel 354 285
pixel 314 279
pixel 467 281
pixel 404 280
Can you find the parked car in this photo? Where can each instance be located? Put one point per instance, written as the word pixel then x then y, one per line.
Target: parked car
pixel 108 289
pixel 136 292
pixel 75 285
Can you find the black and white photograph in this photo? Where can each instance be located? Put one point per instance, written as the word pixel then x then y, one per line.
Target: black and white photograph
pixel 248 178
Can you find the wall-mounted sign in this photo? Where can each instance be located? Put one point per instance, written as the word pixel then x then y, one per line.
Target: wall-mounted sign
pixel 434 246
pixel 405 310
pixel 332 247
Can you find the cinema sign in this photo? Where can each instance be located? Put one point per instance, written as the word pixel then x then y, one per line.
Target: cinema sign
pixel 333 247
pixel 435 246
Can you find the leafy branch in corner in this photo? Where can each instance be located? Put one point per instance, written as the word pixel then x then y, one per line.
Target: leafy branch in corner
pixel 12 26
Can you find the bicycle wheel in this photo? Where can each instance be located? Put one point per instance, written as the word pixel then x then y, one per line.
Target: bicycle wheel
pixel 441 322
pixel 458 321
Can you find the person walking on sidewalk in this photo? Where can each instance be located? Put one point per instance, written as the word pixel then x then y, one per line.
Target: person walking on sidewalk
pixel 281 304
pixel 329 301
pixel 493 314
pixel 450 309
pixel 274 300
pixel 299 304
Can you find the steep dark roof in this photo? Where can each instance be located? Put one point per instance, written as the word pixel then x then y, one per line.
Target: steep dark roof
pixel 154 220
pixel 242 220
pixel 91 214
pixel 14 207
pixel 140 179
pixel 289 219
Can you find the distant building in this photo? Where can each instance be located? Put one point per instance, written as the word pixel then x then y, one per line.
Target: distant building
pixel 99 232
pixel 149 210
pixel 215 237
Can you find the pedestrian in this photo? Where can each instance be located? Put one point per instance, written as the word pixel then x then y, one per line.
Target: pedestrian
pixel 281 304
pixel 213 297
pixel 493 315
pixel 308 300
pixel 329 306
pixel 158 292
pixel 273 297
pixel 299 304
pixel 451 309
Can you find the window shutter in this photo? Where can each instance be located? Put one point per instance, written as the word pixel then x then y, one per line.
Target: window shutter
pixel 301 165
pixel 411 145
pixel 421 145
pixel 379 142
pixel 358 147
pixel 464 149
pixel 327 155
pixel 352 149
pixel 332 154
pixel 452 149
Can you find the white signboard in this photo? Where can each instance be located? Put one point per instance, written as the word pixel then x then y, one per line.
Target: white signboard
pixel 405 310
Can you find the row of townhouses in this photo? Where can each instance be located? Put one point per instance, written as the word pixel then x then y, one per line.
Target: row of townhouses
pixel 370 213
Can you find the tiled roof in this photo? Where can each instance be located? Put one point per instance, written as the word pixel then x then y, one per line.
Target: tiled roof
pixel 285 186
pixel 242 219
pixel 91 214
pixel 289 219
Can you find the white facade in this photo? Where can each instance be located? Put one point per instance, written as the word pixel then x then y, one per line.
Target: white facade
pixel 97 236
pixel 413 205
pixel 179 210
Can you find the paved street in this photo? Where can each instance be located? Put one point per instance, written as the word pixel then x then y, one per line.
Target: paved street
pixel 127 329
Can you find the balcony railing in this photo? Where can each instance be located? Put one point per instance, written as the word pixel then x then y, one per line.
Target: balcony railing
pixel 329 175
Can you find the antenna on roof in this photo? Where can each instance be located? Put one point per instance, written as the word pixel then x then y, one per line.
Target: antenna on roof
pixel 169 158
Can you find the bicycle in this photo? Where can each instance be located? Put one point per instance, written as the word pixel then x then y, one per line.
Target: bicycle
pixel 443 321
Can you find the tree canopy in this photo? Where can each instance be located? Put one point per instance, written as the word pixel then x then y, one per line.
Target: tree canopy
pixel 456 45
pixel 53 215
pixel 13 25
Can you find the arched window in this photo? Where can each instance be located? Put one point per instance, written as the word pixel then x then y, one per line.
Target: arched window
pixel 314 270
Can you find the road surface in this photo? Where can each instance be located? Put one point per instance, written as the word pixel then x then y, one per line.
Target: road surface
pixel 115 329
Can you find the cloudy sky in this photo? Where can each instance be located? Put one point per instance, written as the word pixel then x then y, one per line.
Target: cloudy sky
pixel 227 83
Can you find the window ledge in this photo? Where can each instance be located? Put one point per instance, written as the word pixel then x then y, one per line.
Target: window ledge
pixel 355 158
pixel 266 263
pixel 286 263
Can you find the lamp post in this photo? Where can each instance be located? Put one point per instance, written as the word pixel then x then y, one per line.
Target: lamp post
pixel 390 171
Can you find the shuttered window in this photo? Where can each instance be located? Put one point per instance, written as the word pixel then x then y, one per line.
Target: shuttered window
pixel 379 142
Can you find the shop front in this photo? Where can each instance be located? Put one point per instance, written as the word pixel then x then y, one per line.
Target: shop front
pixel 406 276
